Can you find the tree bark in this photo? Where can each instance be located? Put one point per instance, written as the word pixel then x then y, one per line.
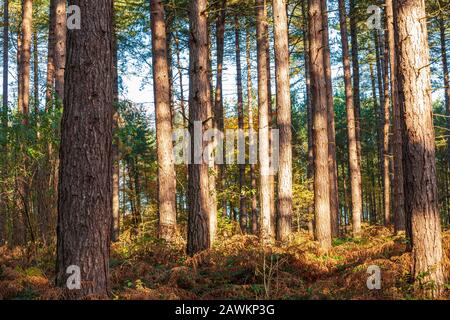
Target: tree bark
pixel 25 59
pixel 199 100
pixel 264 119
pixel 320 127
pixel 50 57
pixel 399 198
pixel 60 46
pixel 4 119
pixel 445 68
pixel 334 193
pixel 421 192
pixel 283 119
pixel 218 100
pixel 115 225
pixel 85 201
pixel 355 66
pixel 166 168
pixel 386 137
pixel 355 169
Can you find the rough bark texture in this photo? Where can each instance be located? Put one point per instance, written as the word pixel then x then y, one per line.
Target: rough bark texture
pixel 263 108
pixel 199 100
pixel 283 119
pixel 334 198
pixel 161 86
pixel 419 144
pixel 85 203
pixel 399 198
pixel 355 170
pixel 320 127
pixel 240 110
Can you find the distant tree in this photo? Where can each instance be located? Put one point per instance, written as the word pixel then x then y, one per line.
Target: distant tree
pixel 199 103
pixel 320 126
pixel 166 169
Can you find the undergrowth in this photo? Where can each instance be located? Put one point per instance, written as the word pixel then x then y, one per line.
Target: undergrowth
pixel 238 267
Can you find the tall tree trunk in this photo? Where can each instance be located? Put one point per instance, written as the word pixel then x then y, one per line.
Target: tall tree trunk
pixel 240 110
pixel 386 136
pixel 4 119
pixel 445 68
pixel 35 73
pixel 264 119
pixel 211 164
pixel 272 123
pixel 320 127
pixel 334 194
pixel 355 66
pixel 218 100
pixel 50 57
pixel 421 192
pixel 85 202
pixel 199 103
pixel 355 169
pixel 399 198
pixel 166 168
pixel 115 224
pixel 251 139
pixel 60 46
pixel 25 59
pixel 309 111
pixel 180 77
pixel 283 119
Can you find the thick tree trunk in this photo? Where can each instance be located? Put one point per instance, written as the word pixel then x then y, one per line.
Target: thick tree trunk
pixel 264 119
pixel 399 198
pixel 283 119
pixel 334 194
pixel 85 202
pixel 199 100
pixel 251 138
pixel 240 110
pixel 166 168
pixel 421 192
pixel 320 127
pixel 355 169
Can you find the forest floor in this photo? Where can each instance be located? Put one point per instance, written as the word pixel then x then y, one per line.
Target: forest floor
pixel 237 268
